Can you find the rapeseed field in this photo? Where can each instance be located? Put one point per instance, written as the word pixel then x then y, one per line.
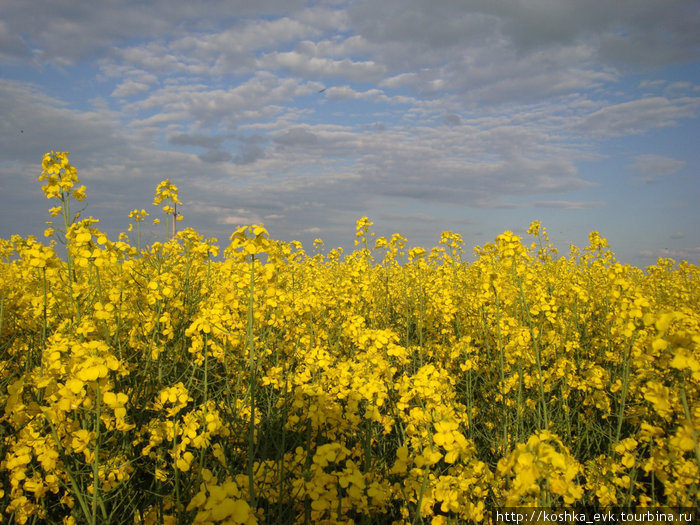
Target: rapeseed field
pixel 163 384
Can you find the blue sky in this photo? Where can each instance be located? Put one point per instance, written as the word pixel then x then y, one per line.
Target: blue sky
pixel 476 116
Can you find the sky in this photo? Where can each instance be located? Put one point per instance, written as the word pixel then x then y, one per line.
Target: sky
pixel 475 116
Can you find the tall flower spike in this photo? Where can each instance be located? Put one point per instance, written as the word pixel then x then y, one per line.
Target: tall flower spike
pixel 60 176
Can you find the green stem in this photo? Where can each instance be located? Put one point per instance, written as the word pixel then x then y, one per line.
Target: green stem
pixel 538 356
pixel 176 469
pixel 422 313
pixel 43 328
pixel 65 198
pixel 76 488
pixel 501 362
pixel 99 294
pixel 96 459
pixel 623 395
pixel 252 370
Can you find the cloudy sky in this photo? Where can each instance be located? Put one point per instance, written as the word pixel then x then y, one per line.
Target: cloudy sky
pixel 475 116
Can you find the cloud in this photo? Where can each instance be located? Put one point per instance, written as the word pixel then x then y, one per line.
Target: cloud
pixel 622 32
pixel 500 52
pixel 238 220
pixel 691 254
pixel 420 172
pixel 637 116
pixel 247 35
pixel 348 93
pixel 237 48
pixel 252 139
pixel 451 120
pixel 652 35
pixel 253 99
pixel 54 31
pixel 402 79
pixel 403 217
pixel 677 87
pixel 34 123
pixel 439 45
pixel 297 137
pixel 678 235
pixel 12 46
pixel 204 141
pixel 129 88
pixel 464 51
pixel 569 205
pixel 248 154
pixel 653 84
pixel 320 67
pixel 215 156
pixel 656 166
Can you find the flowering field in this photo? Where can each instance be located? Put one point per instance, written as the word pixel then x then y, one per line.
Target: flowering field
pixel 387 385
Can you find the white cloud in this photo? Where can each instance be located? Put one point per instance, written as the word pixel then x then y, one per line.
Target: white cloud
pixel 652 83
pixel 623 31
pixel 655 166
pixel 638 116
pixel 12 46
pixel 679 86
pixel 129 88
pixel 254 98
pixel 300 63
pixel 237 220
pixel 569 205
pixel 403 217
pixel 196 139
pixel 34 123
pixel 691 255
pixel 297 137
pixel 402 79
pixel 214 156
pixel 243 38
pixel 348 93
pixel 57 32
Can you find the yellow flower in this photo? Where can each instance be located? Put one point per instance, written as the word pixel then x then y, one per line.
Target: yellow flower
pixel 683 359
pixel 684 438
pixel 658 395
pixel 81 440
pixel 92 371
pixel 79 193
pixel 185 461
pixel 237 511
